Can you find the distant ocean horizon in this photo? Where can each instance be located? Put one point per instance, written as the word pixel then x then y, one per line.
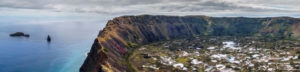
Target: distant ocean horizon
pixel 65 53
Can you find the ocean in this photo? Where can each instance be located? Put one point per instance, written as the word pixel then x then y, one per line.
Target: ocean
pixel 65 53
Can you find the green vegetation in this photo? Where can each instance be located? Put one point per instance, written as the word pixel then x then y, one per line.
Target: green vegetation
pixel 183 60
pixel 131 45
pixel 130 53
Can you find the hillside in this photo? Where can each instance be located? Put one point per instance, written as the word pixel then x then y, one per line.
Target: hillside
pixel 122 34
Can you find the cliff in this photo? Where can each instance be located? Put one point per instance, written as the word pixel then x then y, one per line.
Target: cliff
pixel 114 43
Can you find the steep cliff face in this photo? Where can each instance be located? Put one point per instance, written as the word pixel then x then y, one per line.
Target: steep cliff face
pixel 112 46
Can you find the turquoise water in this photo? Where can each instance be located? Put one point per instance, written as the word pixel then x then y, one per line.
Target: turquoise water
pixel 66 52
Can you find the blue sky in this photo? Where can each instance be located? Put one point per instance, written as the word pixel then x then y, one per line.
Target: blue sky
pixel 44 11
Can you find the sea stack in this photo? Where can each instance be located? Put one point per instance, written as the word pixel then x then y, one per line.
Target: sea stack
pixel 48 38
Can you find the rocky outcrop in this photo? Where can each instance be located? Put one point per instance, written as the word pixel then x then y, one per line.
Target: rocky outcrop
pixel 112 46
pixel 19 34
pixel 48 38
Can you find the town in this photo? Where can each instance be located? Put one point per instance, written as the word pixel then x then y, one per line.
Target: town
pixel 226 54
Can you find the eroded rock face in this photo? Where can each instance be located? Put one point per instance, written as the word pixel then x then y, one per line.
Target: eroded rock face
pixel 111 49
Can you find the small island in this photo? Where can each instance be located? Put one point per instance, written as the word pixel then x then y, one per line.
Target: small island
pixel 19 34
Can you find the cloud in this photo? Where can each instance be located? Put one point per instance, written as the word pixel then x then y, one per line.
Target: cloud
pixel 173 7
